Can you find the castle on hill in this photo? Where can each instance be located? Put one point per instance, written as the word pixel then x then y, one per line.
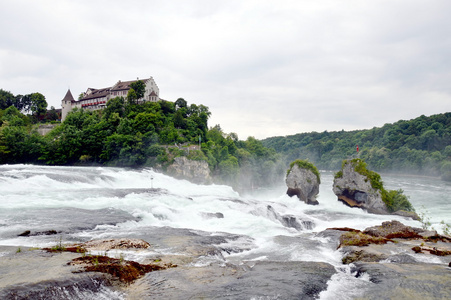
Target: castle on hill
pixel 95 99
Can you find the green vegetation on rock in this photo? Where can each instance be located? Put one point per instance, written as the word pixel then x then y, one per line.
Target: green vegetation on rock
pixel 361 167
pixel 303 164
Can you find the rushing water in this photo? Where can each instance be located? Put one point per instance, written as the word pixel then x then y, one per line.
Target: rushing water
pixel 84 203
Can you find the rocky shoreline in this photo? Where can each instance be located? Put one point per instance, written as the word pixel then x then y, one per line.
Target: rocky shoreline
pixel 397 261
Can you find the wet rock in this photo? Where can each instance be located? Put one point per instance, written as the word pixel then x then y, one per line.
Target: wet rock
pixel 360 239
pixel 84 287
pixel 407 214
pixel 290 221
pixel 395 229
pixel 406 281
pixel 110 244
pixel 361 255
pixel 253 280
pixel 124 270
pixel 432 250
pixel 303 183
pixel 72 219
pixel 34 274
pixel 46 232
pixel 217 215
pixel 25 233
pixel 401 258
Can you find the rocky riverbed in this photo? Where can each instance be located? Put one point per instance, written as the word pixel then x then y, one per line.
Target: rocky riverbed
pixel 198 265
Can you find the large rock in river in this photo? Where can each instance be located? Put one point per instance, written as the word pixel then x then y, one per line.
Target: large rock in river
pixel 355 189
pixel 356 186
pixel 303 181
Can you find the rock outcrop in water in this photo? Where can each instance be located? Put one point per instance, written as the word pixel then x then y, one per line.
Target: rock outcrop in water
pixel 356 186
pixel 196 171
pixel 355 190
pixel 303 181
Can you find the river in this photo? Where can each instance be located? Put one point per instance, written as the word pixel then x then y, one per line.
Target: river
pixel 84 203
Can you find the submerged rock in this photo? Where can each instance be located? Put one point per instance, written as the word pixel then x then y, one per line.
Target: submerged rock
pixel 290 221
pixel 303 181
pixel 217 215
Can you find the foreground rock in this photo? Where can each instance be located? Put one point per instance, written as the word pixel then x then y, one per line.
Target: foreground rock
pixel 252 280
pixel 406 280
pixel 358 187
pixel 394 242
pixel 35 274
pixel 303 181
pixel 400 262
pixel 202 271
pixel 395 229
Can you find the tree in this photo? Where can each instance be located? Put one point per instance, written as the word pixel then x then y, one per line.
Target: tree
pixel 38 104
pixel 115 105
pixel 139 87
pixel 6 99
pixel 132 96
pixel 53 115
pixel 181 103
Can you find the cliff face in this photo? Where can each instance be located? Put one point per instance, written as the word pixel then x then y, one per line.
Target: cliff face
pixel 196 171
pixel 302 183
pixel 355 190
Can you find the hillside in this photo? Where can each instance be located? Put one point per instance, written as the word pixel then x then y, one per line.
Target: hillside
pixel 152 134
pixel 418 146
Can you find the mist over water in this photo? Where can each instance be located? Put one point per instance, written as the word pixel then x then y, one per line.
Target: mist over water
pixel 83 203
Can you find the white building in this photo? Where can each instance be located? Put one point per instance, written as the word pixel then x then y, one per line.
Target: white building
pixel 94 99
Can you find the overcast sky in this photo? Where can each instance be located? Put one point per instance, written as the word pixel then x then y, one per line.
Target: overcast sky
pixel 264 68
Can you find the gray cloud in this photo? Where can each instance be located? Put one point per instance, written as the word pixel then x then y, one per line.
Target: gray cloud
pixel 263 68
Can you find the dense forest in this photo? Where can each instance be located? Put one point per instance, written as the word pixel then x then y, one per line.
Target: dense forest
pixel 420 146
pixel 127 134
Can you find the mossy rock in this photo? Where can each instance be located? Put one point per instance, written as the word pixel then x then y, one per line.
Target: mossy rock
pixel 304 164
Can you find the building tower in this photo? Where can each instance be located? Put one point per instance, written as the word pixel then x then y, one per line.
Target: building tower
pixel 66 104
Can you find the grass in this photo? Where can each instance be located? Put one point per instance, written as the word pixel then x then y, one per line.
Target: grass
pixel 59 247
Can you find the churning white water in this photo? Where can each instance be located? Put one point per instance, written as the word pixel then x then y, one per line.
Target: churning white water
pixel 84 203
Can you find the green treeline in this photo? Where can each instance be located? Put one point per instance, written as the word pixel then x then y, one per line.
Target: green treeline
pixel 419 146
pixel 151 134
